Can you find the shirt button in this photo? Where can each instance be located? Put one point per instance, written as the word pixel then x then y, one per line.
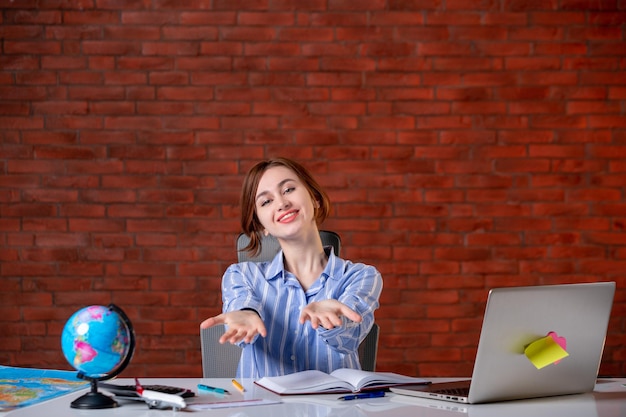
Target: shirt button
pixel 293 357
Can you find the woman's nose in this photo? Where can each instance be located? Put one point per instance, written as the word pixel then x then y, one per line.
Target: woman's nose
pixel 283 203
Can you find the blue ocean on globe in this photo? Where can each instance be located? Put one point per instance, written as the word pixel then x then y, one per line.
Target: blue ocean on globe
pixel 95 340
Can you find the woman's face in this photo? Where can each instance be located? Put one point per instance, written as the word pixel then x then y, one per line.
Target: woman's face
pixel 283 203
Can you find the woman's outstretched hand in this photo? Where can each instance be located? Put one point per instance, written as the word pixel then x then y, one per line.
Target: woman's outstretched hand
pixel 241 325
pixel 327 313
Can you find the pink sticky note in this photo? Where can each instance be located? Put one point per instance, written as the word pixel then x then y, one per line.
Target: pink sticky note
pixel 559 341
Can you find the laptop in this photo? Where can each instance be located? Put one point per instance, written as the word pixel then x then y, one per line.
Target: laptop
pixel 515 318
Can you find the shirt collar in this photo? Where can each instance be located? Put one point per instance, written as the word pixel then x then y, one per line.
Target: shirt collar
pixel 333 268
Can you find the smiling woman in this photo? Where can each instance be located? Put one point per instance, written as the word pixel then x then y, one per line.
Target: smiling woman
pixel 306 308
pixel 252 191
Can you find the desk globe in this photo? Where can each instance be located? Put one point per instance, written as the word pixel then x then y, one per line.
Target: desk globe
pixel 98 342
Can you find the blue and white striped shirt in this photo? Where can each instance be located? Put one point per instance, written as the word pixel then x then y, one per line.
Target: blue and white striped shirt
pixel 279 298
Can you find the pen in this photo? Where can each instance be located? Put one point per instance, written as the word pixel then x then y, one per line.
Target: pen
pixel 373 394
pixel 212 389
pixel 238 386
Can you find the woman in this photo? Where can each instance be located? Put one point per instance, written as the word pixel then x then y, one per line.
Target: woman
pixel 307 308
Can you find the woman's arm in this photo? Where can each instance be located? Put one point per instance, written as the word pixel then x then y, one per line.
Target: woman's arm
pixel 344 319
pixel 241 311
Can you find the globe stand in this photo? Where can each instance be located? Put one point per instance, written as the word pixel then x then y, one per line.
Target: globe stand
pixel 94 400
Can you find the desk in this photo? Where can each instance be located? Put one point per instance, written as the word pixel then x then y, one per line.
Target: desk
pixel 607 400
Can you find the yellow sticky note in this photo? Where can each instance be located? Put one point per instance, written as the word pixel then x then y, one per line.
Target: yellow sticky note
pixel 544 352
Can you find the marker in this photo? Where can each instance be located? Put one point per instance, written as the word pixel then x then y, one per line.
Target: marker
pixel 212 389
pixel 238 386
pixel 373 394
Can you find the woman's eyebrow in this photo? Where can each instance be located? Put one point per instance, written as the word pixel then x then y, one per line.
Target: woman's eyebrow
pixel 280 184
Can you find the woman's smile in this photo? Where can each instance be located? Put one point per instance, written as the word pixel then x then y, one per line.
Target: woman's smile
pixel 288 217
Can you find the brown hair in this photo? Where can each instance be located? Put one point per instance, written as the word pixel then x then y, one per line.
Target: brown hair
pixel 250 223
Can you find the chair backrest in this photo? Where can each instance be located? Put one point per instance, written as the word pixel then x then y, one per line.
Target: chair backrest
pixel 270 246
pixel 368 349
pixel 218 361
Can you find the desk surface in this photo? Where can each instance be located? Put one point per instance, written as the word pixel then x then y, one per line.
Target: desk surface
pixel 607 400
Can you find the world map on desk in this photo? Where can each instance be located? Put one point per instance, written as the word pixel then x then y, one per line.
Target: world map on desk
pixel 20 387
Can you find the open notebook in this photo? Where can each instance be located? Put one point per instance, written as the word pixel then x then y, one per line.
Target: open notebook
pixel 340 380
pixel 536 341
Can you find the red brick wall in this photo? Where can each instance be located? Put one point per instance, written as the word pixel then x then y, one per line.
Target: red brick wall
pixel 465 144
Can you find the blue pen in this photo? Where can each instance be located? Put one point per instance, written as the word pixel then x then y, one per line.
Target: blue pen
pixel 212 389
pixel 371 394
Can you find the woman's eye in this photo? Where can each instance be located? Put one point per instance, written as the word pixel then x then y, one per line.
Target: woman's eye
pixel 288 190
pixel 264 203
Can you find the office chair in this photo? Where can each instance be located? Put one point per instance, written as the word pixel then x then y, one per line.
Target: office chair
pixel 229 355
pixel 368 349
pixel 270 246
